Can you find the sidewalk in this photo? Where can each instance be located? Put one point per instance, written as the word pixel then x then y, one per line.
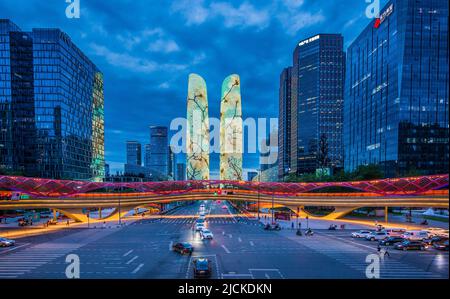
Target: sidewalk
pixel 353 224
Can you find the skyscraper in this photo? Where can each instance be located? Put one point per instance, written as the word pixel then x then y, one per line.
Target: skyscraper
pixel 147 154
pixel 172 164
pixel 284 122
pixel 317 102
pixel 396 95
pixel 231 146
pixel 197 135
pixel 134 153
pixel 159 150
pixel 181 172
pixel 51 109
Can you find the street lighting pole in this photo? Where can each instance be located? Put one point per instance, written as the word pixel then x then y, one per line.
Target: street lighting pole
pixel 259 183
pixel 120 219
pixel 272 207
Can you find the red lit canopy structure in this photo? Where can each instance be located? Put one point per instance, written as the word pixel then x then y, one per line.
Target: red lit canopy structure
pixel 64 188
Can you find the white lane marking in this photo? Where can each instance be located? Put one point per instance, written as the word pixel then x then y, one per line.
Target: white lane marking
pixel 230 236
pixel 236 275
pixel 349 241
pixel 126 254
pixel 239 239
pixel 170 245
pixel 137 269
pixel 17 247
pixel 226 249
pixel 223 233
pixel 132 260
pixel 251 243
pixel 267 276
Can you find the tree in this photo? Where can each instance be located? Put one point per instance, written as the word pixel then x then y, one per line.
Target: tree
pixel 367 172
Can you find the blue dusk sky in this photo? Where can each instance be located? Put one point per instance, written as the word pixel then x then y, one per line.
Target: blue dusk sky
pixel 146 50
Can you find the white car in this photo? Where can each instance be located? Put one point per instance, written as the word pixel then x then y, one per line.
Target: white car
pixel 361 233
pixel 415 235
pixel 4 242
pixel 206 234
pixel 377 236
pixel 199 226
pixel 436 231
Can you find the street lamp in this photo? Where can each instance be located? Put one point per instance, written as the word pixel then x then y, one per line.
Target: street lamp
pixel 259 183
pixel 120 219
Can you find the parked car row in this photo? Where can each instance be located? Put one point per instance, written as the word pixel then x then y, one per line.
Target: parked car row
pixel 406 240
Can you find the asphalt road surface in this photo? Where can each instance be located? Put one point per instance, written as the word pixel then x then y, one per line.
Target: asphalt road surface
pixel 240 249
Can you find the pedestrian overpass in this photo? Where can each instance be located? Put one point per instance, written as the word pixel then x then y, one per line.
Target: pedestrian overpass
pixel 73 198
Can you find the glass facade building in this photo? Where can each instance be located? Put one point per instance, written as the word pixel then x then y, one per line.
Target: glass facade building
pixel 181 172
pixel 284 122
pixel 396 94
pixel 159 150
pixel 51 106
pixel 134 153
pixel 318 76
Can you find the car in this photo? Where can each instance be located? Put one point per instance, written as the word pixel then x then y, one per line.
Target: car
pixel 206 234
pixel 361 233
pixel 391 241
pixel 4 242
pixel 434 239
pixel 224 207
pixel 441 245
pixel 377 236
pixel 415 235
pixel 435 231
pixel 395 232
pixel 199 226
pixel 411 245
pixel 183 248
pixel 202 268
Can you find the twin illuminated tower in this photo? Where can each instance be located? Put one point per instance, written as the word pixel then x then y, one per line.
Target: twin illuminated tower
pixel 197 145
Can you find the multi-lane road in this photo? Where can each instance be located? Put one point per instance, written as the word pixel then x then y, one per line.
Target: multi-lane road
pixel 240 249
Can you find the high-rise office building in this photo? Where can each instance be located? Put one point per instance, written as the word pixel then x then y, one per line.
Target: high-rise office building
pixel 134 153
pixel 396 95
pixel 147 154
pixel 231 146
pixel 197 135
pixel 268 158
pixel 172 165
pixel 284 122
pixel 51 106
pixel 159 150
pixel 317 89
pixel 181 172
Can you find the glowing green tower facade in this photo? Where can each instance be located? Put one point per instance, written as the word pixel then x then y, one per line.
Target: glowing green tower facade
pixel 231 146
pixel 197 137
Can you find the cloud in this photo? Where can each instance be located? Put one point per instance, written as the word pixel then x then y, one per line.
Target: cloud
pixel 164 46
pixel 246 15
pixel 193 10
pixel 297 21
pixel 288 13
pixel 133 63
